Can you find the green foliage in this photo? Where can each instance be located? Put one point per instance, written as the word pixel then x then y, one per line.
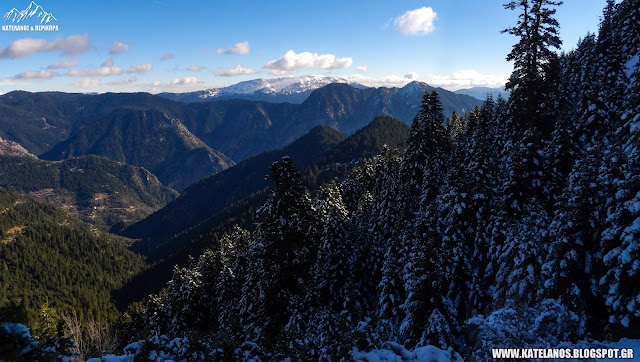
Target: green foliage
pixel 48 257
pixel 214 211
pixel 95 189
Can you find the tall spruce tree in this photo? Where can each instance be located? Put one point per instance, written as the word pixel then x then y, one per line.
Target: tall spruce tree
pixel 531 102
pixel 424 160
pixel 533 58
pixel 282 255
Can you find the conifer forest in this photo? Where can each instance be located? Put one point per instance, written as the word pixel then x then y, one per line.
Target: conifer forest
pixel 513 225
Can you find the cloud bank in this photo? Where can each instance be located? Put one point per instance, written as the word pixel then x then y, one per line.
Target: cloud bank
pixel 72 45
pixel 291 62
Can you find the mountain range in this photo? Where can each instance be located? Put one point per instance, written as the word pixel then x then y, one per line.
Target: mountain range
pixel 237 128
pixel 276 90
pixel 241 128
pixel 208 209
pixel 146 138
pixel 482 92
pixel 151 146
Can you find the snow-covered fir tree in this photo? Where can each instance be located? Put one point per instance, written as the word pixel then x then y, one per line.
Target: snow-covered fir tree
pixel 517 224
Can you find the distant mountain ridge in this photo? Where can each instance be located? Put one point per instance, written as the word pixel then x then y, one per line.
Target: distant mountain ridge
pixel 237 128
pixel 241 128
pixel 211 207
pixel 150 139
pixel 482 92
pixel 276 90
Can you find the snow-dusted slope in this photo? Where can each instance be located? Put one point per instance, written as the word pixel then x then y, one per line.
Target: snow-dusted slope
pixel 285 89
pixel 286 85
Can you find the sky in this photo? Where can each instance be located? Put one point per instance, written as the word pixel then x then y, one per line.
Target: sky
pixel 179 46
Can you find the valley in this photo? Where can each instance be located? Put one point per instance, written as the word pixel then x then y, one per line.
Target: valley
pixel 363 191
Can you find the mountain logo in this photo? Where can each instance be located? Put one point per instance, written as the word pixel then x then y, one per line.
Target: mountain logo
pixel 32 11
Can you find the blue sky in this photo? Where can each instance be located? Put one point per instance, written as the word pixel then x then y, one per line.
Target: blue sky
pixel 163 45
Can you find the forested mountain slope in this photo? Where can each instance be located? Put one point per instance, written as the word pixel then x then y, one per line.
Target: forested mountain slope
pixel 516 225
pixel 38 121
pixel 149 139
pixel 95 189
pixel 47 256
pixel 206 232
pixel 212 194
pixel 237 128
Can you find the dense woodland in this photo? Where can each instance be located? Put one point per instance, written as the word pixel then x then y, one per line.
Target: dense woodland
pixel 95 189
pixel 515 225
pixel 45 255
pixel 517 222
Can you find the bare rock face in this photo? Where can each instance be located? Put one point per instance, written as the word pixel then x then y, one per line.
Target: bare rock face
pixel 10 148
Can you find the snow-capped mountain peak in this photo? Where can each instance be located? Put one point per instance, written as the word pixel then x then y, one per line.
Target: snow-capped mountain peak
pixel 285 85
pixel 32 10
pixel 277 90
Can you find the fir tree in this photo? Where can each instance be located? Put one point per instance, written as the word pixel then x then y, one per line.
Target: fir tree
pixel 282 255
pixel 424 159
pixel 533 58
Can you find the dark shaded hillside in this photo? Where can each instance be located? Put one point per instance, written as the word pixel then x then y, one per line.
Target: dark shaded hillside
pixel 38 121
pixel 45 255
pixel 237 128
pixel 212 194
pixel 241 128
pixel 206 231
pixel 199 96
pixel 146 138
pixel 95 189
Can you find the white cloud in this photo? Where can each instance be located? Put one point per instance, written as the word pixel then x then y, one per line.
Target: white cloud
pixel 238 49
pixel 416 22
pixel 454 81
pixel 196 68
pixel 20 48
pixel 106 69
pixel 362 68
pixel 87 83
pixel 237 70
pixel 119 48
pixel 63 64
pixel 140 68
pixel 466 79
pixel 131 80
pixel 8 82
pixel 291 62
pixel 183 81
pixel 411 76
pixel 167 56
pixel 36 74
